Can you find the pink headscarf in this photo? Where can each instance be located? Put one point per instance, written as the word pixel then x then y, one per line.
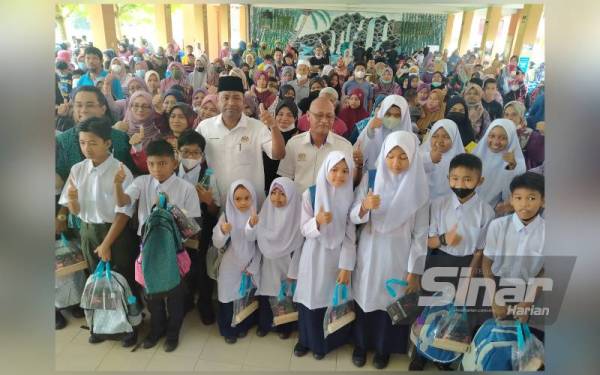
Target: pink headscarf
pixel 64 55
pixel 167 83
pixel 151 132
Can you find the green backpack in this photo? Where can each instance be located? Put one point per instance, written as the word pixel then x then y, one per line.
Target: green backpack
pixel 161 240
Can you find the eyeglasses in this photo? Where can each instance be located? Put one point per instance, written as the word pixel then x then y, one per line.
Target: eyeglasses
pixel 143 107
pixel 327 116
pixel 193 154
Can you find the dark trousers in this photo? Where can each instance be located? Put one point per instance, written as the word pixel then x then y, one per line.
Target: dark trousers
pixel 225 316
pixel 197 280
pixel 265 318
pixel 310 331
pixel 374 331
pixel 166 313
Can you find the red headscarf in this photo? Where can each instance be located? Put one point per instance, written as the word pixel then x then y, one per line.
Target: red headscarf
pixel 352 116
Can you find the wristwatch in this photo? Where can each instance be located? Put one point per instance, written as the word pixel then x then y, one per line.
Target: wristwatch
pixel 61 217
pixel 443 239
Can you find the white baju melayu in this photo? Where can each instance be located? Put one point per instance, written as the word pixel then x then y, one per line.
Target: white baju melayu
pixel 278 236
pixel 241 254
pixel 437 173
pixel 394 239
pixel 496 186
pixel 371 140
pixel 329 248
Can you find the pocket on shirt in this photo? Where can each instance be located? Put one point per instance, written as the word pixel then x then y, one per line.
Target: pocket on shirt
pixel 244 154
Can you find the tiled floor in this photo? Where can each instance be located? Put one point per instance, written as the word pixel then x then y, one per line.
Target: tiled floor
pixel 201 349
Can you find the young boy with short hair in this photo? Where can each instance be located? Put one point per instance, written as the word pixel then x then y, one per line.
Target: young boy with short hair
pixel 88 193
pixel 193 168
pixel 515 243
pixel 145 189
pixel 458 225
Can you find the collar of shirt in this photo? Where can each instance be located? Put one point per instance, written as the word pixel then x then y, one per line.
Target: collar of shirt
pixel 100 169
pixel 163 187
pixel 456 203
pixel 195 170
pixel 308 139
pixel 242 123
pixel 519 226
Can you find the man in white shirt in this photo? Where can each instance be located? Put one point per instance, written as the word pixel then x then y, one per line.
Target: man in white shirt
pixel 304 153
pixel 235 142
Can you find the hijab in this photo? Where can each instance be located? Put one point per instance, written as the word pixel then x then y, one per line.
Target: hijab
pixel 147 77
pixel 497 178
pixel 461 120
pixel 123 73
pixel 187 110
pixel 237 72
pixel 287 70
pixel 423 86
pixel 283 89
pixel 151 132
pixel 140 81
pixel 351 116
pixel 403 194
pixel 334 200
pixel 250 101
pixel 167 83
pixel 438 176
pixel 278 229
pixel 243 248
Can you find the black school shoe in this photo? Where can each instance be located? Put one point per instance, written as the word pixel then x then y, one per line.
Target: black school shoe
pixel 242 334
pixel 417 362
pixel 318 356
pixel 95 339
pixel 207 315
pixel 359 357
pixel 261 333
pixel 380 361
pixel 300 350
pixel 129 339
pixel 59 321
pixel 151 340
pixel 284 335
pixel 170 345
pixel 77 312
pixel 230 339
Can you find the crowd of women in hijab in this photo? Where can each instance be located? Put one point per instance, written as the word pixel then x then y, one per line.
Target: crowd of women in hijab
pixel 445 161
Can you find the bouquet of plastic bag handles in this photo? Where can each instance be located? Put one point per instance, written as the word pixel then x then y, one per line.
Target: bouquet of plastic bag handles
pixel 529 355
pixel 99 293
pixel 247 304
pixel 404 309
pixel 283 306
pixel 340 313
pixel 68 257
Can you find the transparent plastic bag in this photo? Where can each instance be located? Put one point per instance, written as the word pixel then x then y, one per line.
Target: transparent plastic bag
pixel 247 304
pixel 68 257
pixel 529 355
pixel 453 332
pixel 187 226
pixel 405 309
pixel 99 293
pixel 283 307
pixel 341 313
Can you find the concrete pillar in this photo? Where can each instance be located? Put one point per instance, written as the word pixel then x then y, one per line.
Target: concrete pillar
pixel 528 27
pixel 465 31
pixel 194 28
pixel 102 22
pixel 164 25
pixel 224 24
pixel 448 32
pixel 245 23
pixel 490 29
pixel 515 20
pixel 212 23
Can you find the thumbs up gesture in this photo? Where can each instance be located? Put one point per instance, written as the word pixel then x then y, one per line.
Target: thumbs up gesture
pixel 323 217
pixel 120 175
pixel 436 155
pixel 376 122
pixel 509 157
pixel 371 201
pixel 452 236
pixel 225 228
pixel 357 154
pixel 63 109
pixel 137 137
pixel 253 218
pixel 265 116
pixel 72 192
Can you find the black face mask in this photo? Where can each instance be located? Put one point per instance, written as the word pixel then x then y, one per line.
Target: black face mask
pixel 457 117
pixel 462 192
pixel 200 69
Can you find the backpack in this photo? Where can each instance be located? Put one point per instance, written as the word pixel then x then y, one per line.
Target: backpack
pixel 161 240
pixel 312 190
pixel 492 347
pixel 118 321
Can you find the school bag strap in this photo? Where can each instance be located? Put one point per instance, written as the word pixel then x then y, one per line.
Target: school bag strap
pixel 371 178
pixel 523 334
pixel 390 289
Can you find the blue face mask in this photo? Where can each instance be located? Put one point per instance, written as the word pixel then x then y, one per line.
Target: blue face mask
pixel 82 66
pixel 168 74
pixel 140 73
pixel 137 59
pixel 436 84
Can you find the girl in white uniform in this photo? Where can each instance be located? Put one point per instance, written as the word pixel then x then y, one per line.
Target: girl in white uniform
pixel 278 236
pixel 437 151
pixel 238 223
pixel 392 245
pixel 502 159
pixel 328 254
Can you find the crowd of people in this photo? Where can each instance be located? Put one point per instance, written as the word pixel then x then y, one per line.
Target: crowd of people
pixel 324 170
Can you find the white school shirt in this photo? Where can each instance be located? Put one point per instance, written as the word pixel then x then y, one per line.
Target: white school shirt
pixel 384 256
pixel 192 176
pixel 473 218
pixel 235 261
pixel 96 190
pixel 303 159
pixel 237 153
pixel 516 249
pixel 179 192
pixel 318 267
